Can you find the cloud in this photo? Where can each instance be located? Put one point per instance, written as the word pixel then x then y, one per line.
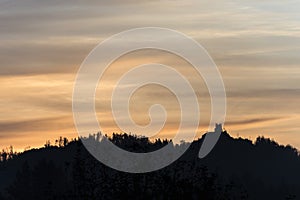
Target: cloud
pixel 253 121
pixel 42 44
pixel 48 37
pixel 48 57
pixel 272 94
pixel 33 126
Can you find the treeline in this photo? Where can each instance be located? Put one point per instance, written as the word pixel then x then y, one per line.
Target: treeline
pixel 235 169
pixel 7 154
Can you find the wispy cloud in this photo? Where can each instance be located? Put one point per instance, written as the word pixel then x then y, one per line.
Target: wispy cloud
pixel 253 121
pixel 21 128
pixel 42 44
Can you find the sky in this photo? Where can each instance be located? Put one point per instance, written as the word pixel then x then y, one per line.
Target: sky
pixel 255 44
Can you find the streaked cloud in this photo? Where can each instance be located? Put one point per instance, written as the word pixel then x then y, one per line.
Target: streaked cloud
pixel 34 125
pixel 255 44
pixel 252 121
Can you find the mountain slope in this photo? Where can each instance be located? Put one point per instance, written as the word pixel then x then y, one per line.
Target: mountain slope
pixel 235 169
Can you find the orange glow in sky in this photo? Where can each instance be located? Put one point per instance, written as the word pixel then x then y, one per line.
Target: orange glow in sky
pixel 256 48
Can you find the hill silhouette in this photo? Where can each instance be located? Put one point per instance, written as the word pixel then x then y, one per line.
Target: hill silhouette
pixel 235 169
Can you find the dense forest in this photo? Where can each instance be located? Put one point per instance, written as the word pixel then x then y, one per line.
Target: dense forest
pixel 235 169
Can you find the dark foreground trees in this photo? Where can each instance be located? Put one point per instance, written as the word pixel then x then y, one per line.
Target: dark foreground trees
pixel 235 169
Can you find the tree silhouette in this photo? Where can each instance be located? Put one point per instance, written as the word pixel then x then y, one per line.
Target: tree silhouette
pixel 235 169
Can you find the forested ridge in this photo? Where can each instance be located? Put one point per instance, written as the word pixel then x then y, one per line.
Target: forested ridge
pixel 235 169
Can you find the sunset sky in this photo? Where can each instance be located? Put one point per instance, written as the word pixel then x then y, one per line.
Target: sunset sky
pixel 255 44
